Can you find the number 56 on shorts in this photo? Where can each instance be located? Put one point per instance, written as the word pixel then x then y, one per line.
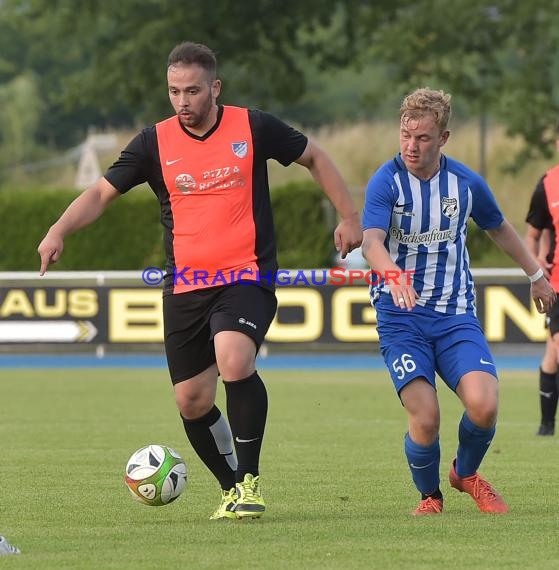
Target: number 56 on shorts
pixel 404 365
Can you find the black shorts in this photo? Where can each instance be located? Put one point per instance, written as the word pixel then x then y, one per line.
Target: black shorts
pixel 552 319
pixel 191 320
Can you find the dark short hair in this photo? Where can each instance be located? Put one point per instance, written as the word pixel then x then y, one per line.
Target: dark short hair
pixel 188 53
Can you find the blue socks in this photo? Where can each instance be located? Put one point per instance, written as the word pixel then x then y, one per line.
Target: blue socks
pixel 473 443
pixel 424 462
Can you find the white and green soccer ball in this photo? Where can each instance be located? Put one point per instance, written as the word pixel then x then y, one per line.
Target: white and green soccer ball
pixel 155 475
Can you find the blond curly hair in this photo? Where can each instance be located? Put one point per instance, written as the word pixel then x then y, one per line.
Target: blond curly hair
pixel 424 100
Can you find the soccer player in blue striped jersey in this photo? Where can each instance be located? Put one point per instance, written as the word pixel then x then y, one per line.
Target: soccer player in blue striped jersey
pixel 415 220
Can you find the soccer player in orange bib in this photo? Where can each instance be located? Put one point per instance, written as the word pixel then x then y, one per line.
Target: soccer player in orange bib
pixel 207 166
pixel 541 239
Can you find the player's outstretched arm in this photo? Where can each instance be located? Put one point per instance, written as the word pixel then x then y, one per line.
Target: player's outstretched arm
pixel 348 234
pixel 84 210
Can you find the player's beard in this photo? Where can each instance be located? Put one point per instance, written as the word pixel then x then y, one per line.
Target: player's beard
pixel 197 119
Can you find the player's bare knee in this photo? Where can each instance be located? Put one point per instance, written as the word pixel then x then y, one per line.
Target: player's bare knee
pixel 193 408
pixel 194 400
pixel 236 366
pixel 424 428
pixel 483 415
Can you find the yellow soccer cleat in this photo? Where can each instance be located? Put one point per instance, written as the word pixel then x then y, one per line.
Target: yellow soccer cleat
pixel 250 503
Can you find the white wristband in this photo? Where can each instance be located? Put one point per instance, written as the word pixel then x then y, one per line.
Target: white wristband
pixel 537 275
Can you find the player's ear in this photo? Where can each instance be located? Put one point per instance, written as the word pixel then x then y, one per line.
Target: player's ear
pixel 445 135
pixel 216 88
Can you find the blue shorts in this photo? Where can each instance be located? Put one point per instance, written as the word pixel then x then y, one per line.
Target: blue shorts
pixel 423 342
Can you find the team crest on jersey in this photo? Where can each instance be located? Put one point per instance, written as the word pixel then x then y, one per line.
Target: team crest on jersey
pixel 449 207
pixel 240 149
pixel 185 183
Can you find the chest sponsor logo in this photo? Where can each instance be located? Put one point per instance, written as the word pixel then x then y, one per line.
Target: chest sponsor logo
pixel 216 180
pixel 240 149
pixel 434 235
pixel 185 183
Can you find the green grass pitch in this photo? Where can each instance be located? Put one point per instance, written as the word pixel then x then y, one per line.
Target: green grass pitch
pixel 334 477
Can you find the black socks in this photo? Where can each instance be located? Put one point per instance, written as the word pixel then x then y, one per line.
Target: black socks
pixel 211 439
pixel 247 409
pixel 548 397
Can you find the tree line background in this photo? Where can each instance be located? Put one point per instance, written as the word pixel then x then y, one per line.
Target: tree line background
pixel 67 66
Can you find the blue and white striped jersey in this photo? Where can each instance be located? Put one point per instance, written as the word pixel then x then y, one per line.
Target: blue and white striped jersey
pixel 426 226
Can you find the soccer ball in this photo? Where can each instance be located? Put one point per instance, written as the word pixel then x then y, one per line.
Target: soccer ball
pixel 155 475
